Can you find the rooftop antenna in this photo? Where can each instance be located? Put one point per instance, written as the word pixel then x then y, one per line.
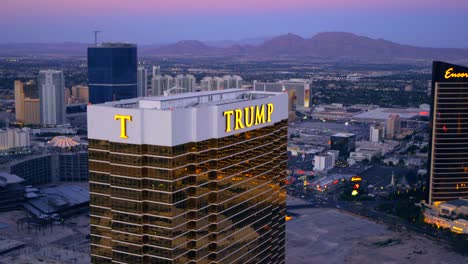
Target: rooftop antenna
pixel 95 36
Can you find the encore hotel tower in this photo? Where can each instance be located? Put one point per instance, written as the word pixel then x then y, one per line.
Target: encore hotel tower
pixel 448 160
pixel 189 178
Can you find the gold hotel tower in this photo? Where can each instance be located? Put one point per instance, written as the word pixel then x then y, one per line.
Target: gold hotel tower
pixel 189 178
pixel 448 155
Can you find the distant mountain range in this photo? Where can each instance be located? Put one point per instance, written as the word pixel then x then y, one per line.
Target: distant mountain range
pixel 326 45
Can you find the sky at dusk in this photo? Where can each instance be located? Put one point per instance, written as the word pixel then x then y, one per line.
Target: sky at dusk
pixel 436 23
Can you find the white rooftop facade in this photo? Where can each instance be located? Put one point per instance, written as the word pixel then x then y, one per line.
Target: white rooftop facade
pixel 183 118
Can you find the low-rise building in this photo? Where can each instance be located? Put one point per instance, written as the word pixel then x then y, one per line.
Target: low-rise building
pixel 377 133
pixel 63 200
pixel 323 162
pixel 454 208
pixel 460 226
pixel 364 154
pixel 451 215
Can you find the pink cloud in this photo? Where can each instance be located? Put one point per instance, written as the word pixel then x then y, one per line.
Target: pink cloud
pixel 212 6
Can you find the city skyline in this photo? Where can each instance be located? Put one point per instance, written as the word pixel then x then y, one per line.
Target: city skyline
pixel 396 21
pixel 233 132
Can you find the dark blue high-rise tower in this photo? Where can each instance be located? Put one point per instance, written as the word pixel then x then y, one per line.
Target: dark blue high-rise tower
pixel 112 72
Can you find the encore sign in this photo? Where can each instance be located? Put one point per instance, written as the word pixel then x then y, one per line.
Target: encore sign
pixel 249 116
pixel 450 74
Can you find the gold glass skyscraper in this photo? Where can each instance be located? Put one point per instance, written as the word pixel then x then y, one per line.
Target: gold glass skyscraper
pixel 189 178
pixel 448 160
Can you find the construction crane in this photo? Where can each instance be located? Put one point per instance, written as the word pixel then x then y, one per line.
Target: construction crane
pixel 168 91
pixel 95 36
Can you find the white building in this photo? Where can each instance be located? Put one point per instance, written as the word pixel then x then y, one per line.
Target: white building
pixel 52 97
pixel 156 70
pixel 335 154
pixel 232 81
pixel 185 83
pixel 209 83
pixel 142 81
pixel 161 83
pixel 323 162
pixel 14 138
pixel 205 83
pixel 377 133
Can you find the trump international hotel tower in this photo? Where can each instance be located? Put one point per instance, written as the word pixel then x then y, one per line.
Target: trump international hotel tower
pixel 189 178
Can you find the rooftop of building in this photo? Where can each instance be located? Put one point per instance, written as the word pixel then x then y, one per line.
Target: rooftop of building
pixel 384 146
pixel 458 203
pixel 50 71
pixel 64 142
pixel 54 199
pixel 191 100
pixel 344 135
pixel 462 222
pixel 6 179
pixel 385 113
pixel 114 45
pixel 290 81
pixel 323 155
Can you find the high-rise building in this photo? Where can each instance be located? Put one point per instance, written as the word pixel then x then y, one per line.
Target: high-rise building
pixel 292 100
pixel 300 86
pixel 156 70
pixel 162 83
pixel 32 111
pixel 31 90
pixel 14 138
pixel 189 178
pixel 232 81
pixel 345 143
pixel 377 133
pixel 142 81
pixel 24 91
pixel 80 93
pixel 19 101
pixel 112 72
pixel 212 83
pixel 186 83
pixel 52 97
pixel 429 88
pixel 393 126
pixel 448 155
pixel 68 96
pixel 205 83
